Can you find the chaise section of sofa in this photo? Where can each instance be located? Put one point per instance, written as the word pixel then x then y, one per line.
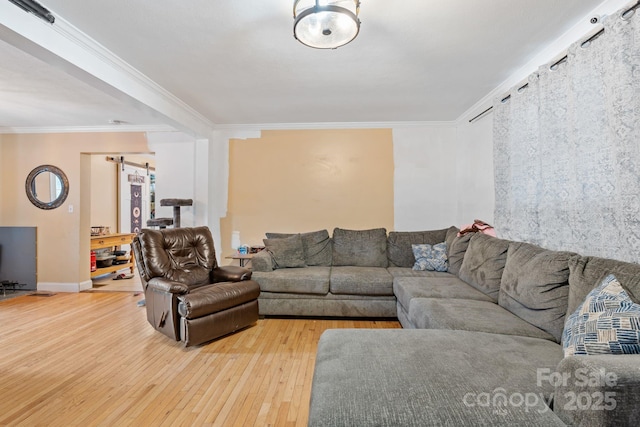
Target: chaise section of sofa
pixel 443 286
pixel 431 377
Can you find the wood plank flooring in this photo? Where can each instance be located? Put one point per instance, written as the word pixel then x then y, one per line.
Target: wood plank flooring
pixel 107 284
pixel 91 359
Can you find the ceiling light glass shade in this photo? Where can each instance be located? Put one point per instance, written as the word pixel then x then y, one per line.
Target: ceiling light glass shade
pixel 326 24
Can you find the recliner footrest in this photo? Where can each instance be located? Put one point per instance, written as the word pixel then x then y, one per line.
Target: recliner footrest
pixel 215 325
pixel 217 297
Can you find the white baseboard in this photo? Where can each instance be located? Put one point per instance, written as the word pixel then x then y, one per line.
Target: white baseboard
pixel 86 285
pixel 64 287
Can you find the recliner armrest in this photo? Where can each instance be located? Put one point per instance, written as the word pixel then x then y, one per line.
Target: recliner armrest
pixel 230 273
pixel 165 285
pixel 597 390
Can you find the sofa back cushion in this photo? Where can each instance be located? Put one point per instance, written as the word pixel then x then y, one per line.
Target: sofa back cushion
pixel 317 246
pixel 484 263
pixel 399 251
pixel 452 233
pixel 286 252
pixel 456 250
pixel 587 272
pixel 535 286
pixel 360 248
pixel 184 255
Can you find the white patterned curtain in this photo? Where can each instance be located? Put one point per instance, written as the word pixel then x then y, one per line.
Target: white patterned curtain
pixel 567 150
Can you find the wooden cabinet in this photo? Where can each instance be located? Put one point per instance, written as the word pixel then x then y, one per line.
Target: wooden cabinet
pixel 113 241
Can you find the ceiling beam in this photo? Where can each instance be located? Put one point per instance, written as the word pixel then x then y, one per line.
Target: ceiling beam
pixel 65 47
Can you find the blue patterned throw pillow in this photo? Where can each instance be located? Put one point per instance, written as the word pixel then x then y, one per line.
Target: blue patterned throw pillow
pixel 430 257
pixel 607 322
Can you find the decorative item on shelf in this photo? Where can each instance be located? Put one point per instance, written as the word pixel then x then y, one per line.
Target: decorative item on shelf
pixel 255 249
pixel 243 250
pixel 100 230
pixel 326 24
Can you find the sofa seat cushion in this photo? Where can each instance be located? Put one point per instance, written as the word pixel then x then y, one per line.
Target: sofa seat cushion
pixel 304 280
pixel 409 272
pixel 484 263
pixel 470 315
pixel 325 297
pixel 535 286
pixel 280 304
pixel 361 281
pixel 407 288
pixel 428 378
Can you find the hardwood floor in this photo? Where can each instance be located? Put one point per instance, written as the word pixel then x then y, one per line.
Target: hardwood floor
pixel 92 359
pixel 107 283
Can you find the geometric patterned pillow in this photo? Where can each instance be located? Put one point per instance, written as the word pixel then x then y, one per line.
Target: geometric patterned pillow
pixel 430 257
pixel 607 322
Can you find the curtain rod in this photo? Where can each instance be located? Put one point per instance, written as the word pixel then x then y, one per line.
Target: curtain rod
pixel 505 99
pixel 624 15
pixel 585 43
pixel 471 120
pixel 121 161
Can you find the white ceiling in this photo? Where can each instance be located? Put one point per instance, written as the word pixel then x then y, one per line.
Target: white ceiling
pixel 236 62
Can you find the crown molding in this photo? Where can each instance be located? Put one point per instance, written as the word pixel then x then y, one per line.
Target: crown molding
pixel 85 129
pixel 331 125
pixel 253 129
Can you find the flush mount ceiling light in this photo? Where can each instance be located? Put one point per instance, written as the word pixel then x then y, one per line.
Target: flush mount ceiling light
pixel 325 24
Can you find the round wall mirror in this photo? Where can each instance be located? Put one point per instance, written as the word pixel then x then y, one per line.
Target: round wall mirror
pixel 47 187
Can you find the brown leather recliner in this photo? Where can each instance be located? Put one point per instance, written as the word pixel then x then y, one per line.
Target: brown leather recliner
pixel 188 297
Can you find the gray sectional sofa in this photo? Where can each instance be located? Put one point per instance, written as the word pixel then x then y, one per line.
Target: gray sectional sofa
pixel 481 343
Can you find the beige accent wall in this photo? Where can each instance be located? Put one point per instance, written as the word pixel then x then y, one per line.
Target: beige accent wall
pixel 63 237
pixel 296 181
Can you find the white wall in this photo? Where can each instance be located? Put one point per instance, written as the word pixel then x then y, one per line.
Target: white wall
pixel 425 193
pixel 474 171
pixel 176 173
pixel 443 175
